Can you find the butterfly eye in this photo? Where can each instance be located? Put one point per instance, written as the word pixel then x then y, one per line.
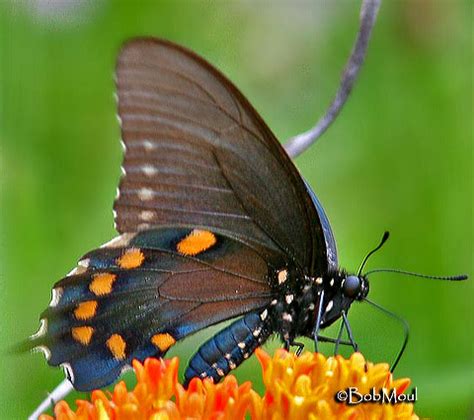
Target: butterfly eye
pixel 351 286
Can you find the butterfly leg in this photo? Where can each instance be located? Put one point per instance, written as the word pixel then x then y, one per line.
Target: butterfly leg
pixel 349 331
pixel 300 348
pixel 287 344
pixel 319 306
pixel 324 339
pixel 339 336
pixel 351 338
pixel 228 348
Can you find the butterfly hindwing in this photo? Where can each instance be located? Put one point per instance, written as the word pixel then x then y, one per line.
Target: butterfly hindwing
pixel 139 295
pixel 198 153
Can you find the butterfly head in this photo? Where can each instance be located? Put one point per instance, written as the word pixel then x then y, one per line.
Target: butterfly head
pixel 355 287
pixel 340 291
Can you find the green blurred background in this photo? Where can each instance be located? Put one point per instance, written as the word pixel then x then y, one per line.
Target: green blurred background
pixel 398 158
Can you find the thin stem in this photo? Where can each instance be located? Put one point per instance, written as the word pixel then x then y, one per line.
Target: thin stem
pixel 60 392
pixel 368 15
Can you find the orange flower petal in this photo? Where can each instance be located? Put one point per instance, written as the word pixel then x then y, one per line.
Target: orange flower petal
pixel 295 387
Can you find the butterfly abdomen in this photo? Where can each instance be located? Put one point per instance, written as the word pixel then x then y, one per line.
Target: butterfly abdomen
pixel 229 348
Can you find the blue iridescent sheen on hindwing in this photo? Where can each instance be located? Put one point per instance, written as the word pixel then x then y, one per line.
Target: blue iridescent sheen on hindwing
pixel 331 249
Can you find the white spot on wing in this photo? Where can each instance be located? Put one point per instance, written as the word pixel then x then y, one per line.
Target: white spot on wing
pixel 119 241
pixel 78 270
pixel 56 294
pixel 289 298
pixel 147 215
pixel 264 315
pixel 331 283
pixel 43 349
pixel 149 170
pixel 43 328
pixel 72 272
pixel 82 266
pixel 330 305
pixel 148 145
pixel 122 143
pixel 319 280
pixel 84 263
pixel 145 194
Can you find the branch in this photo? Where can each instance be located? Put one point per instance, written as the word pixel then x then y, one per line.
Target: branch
pixel 368 15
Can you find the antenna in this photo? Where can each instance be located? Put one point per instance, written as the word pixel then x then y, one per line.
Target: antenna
pixel 384 239
pixel 410 273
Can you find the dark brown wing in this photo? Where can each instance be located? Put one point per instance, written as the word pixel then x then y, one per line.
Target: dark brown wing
pixel 197 153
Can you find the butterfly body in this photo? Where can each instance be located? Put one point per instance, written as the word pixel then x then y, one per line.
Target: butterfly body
pixel 215 223
pixel 294 311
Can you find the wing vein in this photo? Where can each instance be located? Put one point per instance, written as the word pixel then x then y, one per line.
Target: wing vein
pixel 181 210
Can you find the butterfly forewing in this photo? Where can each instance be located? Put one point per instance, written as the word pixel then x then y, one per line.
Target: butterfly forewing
pixel 198 153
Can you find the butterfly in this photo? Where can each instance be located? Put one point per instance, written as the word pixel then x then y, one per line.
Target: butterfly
pixel 215 223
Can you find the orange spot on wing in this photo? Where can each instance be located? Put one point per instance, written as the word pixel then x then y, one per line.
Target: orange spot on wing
pixel 82 334
pixel 116 345
pixel 163 341
pixel 102 284
pixel 86 310
pixel 196 242
pixel 132 258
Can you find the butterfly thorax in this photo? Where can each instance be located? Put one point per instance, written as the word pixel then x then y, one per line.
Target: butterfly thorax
pixel 295 308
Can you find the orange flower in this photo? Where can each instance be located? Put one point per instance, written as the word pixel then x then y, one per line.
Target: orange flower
pixel 159 396
pixel 305 387
pixel 296 388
